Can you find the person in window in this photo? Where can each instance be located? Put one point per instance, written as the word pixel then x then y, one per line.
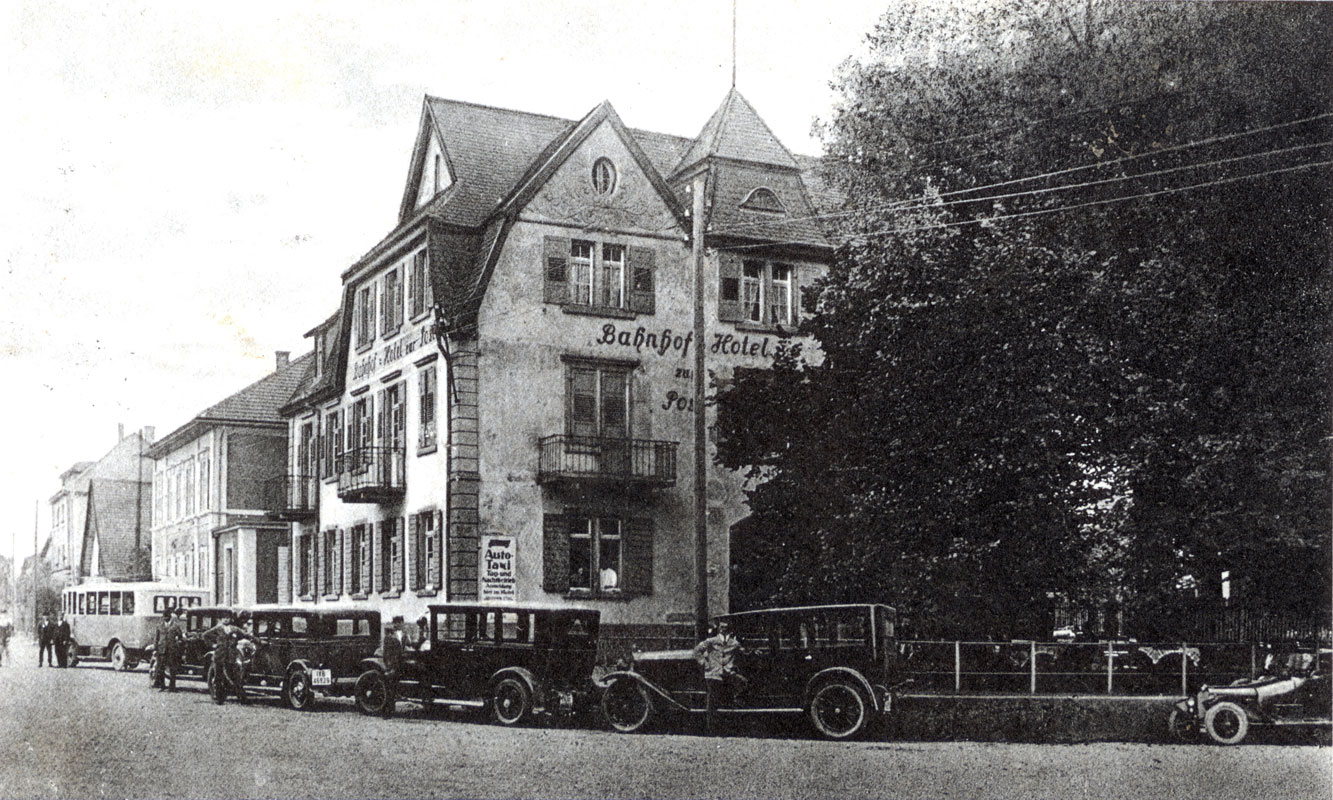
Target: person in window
pixel 391 650
pixel 609 579
pixel 423 634
pixel 717 656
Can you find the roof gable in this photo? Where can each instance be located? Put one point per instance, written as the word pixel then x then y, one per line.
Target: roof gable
pixel 431 171
pixel 118 530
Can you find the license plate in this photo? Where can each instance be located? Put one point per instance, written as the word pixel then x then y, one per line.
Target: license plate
pixel 320 677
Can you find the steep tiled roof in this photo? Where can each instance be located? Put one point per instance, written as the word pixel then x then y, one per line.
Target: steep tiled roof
pixel 489 149
pixel 258 403
pixel 310 384
pixel 736 131
pixel 119 512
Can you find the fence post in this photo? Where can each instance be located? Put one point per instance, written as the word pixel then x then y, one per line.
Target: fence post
pixel 1032 663
pixel 957 666
pixel 1110 667
pixel 1184 671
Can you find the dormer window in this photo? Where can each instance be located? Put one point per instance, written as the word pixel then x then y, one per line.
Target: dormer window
pixel 763 199
pixel 603 176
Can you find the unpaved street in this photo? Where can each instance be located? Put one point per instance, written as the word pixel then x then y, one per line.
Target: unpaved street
pixel 90 732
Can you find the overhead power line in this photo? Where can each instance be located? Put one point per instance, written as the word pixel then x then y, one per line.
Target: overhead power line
pixel 1013 181
pixel 1039 212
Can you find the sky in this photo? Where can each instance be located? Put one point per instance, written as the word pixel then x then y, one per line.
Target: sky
pixel 185 182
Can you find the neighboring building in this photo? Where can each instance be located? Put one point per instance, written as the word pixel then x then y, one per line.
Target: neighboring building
pixel 215 479
pixel 541 449
pixel 68 549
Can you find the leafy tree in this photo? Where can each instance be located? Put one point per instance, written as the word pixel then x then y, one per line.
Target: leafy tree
pixel 1038 390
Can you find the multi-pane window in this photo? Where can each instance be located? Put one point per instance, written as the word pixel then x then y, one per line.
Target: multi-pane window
pixel 595 553
pixel 360 433
pixel 425 550
pixel 612 289
pixel 333 443
pixel 580 272
pixel 332 563
pixel 392 314
pixel 391 555
pixel 418 285
pixel 364 313
pixel 766 289
pixel 360 560
pixel 391 419
pixel 426 430
pixel 598 401
pixel 306 565
pixel 205 475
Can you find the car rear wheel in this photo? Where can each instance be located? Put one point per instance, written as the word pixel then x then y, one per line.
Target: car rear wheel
pixel 839 710
pixel 627 705
pixel 510 701
pixel 118 657
pixel 371 693
pixel 297 691
pixel 1226 723
pixel 72 653
pixel 1183 726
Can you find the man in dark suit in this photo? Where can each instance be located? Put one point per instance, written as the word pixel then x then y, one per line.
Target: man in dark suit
pixel 46 634
pixel 173 641
pixel 391 648
pixel 62 642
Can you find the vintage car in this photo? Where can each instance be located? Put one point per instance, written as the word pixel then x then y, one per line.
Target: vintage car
pixel 196 653
pixel 517 661
pixel 834 663
pixel 304 650
pixel 1293 691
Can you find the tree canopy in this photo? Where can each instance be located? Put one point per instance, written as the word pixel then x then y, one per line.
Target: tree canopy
pixel 1074 347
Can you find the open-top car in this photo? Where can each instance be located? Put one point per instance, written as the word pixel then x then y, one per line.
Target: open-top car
pixel 301 651
pixel 834 663
pixel 1293 691
pixel 517 661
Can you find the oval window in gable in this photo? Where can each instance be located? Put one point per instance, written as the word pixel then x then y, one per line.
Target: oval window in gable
pixel 603 176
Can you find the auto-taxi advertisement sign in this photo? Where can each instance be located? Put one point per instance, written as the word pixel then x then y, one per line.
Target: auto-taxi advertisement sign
pixel 499 558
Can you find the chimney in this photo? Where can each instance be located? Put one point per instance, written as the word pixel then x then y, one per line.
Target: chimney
pixel 148 433
pixel 284 356
pixel 120 431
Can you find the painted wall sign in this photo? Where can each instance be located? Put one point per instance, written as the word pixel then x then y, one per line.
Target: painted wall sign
pixel 375 361
pixel 499 560
pixel 678 344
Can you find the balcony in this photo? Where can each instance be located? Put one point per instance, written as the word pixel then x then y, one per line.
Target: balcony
pixel 372 475
pixel 293 498
pixel 588 461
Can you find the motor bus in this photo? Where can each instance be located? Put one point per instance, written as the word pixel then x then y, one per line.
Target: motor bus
pixel 116 622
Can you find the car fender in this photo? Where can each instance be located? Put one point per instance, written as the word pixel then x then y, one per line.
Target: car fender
pixel 524 675
pixel 846 673
pixel 612 677
pixel 299 663
pixel 375 663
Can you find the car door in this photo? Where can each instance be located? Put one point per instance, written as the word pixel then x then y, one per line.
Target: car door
pixel 449 654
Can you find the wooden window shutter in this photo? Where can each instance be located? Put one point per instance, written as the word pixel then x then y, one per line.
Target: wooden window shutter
pixel 318 572
pixel 643 280
pixel 377 546
pixel 437 560
pixel 638 566
pixel 417 552
pixel 729 306
pixel 555 269
pixel 555 553
pixel 368 561
pixel 345 562
pixel 400 579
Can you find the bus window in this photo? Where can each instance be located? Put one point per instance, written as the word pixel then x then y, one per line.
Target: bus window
pixel 188 602
pixel 127 605
pixel 83 607
pixel 103 603
pixel 115 602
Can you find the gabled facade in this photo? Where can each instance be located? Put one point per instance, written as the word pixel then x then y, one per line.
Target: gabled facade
pixel 68 545
pixel 215 480
pixel 504 409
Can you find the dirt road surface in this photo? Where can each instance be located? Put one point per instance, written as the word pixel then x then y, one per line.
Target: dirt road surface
pixel 91 732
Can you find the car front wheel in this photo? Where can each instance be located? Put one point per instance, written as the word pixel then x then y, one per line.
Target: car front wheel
pixel 510 701
pixel 839 710
pixel 297 691
pixel 627 706
pixel 215 688
pixel 1226 723
pixel 1182 725
pixel 371 693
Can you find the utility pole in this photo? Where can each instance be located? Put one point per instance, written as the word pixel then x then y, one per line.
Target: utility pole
pixel 698 187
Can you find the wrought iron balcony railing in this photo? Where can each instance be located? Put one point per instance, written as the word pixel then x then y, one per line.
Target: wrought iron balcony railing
pixel 586 459
pixel 293 498
pixel 371 475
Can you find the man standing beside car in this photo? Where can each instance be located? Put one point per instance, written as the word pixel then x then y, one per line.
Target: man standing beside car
pixel 717 655
pixel 62 642
pixel 391 650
